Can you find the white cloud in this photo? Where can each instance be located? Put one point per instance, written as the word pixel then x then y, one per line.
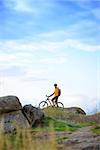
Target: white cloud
pixel 36 72
pixel 21 54
pixel 54 61
pixel 7 57
pixel 15 59
pixel 18 5
pixel 22 6
pixel 18 46
pixel 76 44
pixel 55 35
pixel 30 6
pixel 29 47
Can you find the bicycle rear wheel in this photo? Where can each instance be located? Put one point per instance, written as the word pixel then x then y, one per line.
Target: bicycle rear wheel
pixel 43 104
pixel 60 105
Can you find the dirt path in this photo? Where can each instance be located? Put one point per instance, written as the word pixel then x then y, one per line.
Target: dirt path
pixel 83 139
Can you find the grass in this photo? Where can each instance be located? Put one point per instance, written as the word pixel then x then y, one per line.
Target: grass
pixel 58 125
pixel 24 140
pixel 60 140
pixel 96 129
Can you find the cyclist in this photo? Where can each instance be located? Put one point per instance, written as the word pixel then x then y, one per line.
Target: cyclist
pixel 56 95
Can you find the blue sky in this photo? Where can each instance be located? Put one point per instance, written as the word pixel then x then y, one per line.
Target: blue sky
pixel 43 42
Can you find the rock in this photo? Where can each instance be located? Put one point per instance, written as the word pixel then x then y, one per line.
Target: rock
pixel 75 110
pixel 82 139
pixel 11 115
pixel 91 146
pixel 12 121
pixel 9 104
pixel 33 114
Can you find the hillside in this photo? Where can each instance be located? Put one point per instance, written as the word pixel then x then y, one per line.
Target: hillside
pixel 46 129
pixel 71 131
pixel 72 116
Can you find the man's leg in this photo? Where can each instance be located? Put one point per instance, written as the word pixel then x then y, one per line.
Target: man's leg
pixel 53 100
pixel 56 100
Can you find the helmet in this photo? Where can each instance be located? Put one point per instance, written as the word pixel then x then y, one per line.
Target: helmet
pixel 55 84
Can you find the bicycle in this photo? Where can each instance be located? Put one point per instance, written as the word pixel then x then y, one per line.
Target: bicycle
pixel 47 103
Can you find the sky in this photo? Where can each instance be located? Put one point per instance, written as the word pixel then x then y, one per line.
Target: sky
pixel 43 42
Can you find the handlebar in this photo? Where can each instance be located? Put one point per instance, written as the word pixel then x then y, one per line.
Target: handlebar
pixel 47 97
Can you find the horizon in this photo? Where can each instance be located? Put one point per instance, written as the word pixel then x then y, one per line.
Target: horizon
pixel 51 41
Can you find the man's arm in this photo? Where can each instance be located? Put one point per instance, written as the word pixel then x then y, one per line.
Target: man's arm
pixel 51 95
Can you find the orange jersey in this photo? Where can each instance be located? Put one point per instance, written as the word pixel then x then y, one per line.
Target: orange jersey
pixel 56 92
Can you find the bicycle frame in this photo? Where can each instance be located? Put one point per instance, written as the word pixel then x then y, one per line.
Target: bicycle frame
pixel 50 102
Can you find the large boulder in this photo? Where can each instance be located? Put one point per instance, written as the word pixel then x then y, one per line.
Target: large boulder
pixel 33 114
pixel 13 121
pixel 11 115
pixel 75 110
pixel 9 104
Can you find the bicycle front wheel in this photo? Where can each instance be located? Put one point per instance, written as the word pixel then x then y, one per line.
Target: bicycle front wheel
pixel 43 104
pixel 60 105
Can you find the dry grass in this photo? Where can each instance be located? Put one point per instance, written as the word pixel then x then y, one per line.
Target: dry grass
pixel 25 140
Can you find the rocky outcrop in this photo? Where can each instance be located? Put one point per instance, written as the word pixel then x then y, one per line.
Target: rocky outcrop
pixel 13 121
pixel 75 110
pixel 33 114
pixel 13 116
pixel 9 103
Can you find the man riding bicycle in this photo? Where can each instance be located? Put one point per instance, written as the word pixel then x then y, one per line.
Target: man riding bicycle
pixel 56 94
